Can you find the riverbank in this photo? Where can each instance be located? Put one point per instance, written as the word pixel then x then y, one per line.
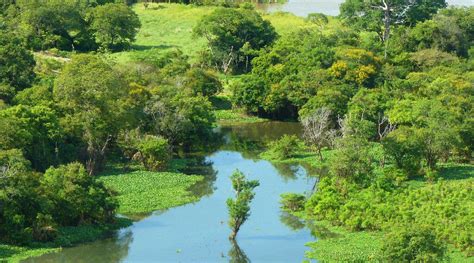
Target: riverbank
pixel 422 198
pixel 138 192
pixel 67 237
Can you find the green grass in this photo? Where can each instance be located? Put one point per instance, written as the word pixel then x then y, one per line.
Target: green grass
pixel 235 117
pixel 9 253
pixel 170 26
pixel 165 27
pixel 67 236
pixel 143 192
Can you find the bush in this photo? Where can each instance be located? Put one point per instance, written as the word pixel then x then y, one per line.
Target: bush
pixel 201 82
pixel 75 198
pixel 153 152
pixel 292 202
pixel 286 147
pixel 413 244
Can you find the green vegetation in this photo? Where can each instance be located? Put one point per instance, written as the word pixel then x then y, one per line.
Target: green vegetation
pixel 235 117
pixel 286 147
pixel 384 93
pixel 239 208
pixel 145 192
pixel 67 236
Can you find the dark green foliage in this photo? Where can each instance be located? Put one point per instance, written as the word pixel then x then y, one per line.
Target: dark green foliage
pixel 36 130
pixel 16 66
pixel 239 208
pixel 90 93
pixel 54 24
pixel 114 26
pixel 234 36
pixel 76 198
pixel 413 244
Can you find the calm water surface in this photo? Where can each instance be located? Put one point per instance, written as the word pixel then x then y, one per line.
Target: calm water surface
pixel 328 7
pixel 198 232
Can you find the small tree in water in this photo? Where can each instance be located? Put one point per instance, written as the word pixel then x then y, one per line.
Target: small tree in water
pixel 239 208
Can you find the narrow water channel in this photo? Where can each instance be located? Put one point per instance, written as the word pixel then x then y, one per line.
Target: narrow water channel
pixel 198 232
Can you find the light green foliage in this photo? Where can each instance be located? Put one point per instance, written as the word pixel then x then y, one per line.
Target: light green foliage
pixel 145 192
pixel 154 151
pixel 292 202
pixel 286 147
pixel 235 117
pixel 239 208
pixel 201 82
pixel 339 245
pixel 114 26
pixel 381 206
pixel 413 244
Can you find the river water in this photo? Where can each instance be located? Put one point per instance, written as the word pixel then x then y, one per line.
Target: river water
pixel 198 232
pixel 328 7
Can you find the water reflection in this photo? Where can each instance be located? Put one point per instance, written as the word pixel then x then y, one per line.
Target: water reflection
pixel 105 251
pixel 236 254
pixel 291 221
pixel 198 232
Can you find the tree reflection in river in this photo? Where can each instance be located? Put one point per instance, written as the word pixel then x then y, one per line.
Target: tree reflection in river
pixel 103 251
pixel 291 221
pixel 236 254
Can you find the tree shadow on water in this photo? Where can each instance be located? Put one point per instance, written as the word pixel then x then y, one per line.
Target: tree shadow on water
pixel 236 254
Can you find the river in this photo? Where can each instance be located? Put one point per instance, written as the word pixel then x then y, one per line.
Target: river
pixel 328 7
pixel 198 232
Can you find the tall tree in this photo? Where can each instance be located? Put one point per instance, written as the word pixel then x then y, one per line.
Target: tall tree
pixel 234 35
pixel 90 94
pixel 114 25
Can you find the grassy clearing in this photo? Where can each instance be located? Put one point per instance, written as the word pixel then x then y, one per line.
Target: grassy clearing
pixel 169 26
pixel 165 27
pixel 67 236
pixel 144 192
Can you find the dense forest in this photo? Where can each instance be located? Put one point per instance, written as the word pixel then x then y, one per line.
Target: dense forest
pixel 384 93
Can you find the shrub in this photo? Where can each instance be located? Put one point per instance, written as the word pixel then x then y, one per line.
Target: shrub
pixel 74 197
pixel 153 152
pixel 292 202
pixel 286 147
pixel 413 244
